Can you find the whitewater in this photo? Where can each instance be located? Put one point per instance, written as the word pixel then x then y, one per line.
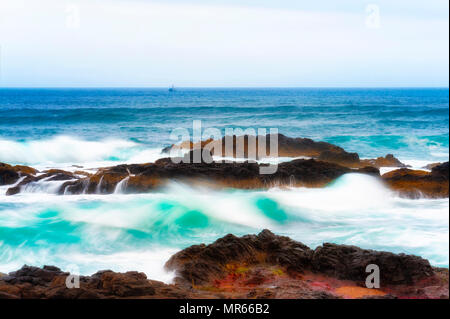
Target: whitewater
pixel 140 232
pixel 81 129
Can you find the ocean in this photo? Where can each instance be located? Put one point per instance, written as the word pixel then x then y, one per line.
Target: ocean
pixel 47 128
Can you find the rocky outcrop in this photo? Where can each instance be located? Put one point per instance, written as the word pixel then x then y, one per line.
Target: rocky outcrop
pixel 416 183
pixel 139 178
pixel 198 264
pixel 350 262
pixel 252 266
pixel 48 176
pixel 246 175
pixel 50 283
pixel 246 146
pixel 388 161
pixel 10 174
pixel 431 165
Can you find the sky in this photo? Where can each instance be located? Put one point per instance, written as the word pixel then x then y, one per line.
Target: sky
pixel 224 43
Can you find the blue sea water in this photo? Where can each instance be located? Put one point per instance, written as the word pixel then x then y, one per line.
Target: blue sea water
pixel 410 123
pixel 90 127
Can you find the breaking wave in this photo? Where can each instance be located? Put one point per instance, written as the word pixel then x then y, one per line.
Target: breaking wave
pixel 141 231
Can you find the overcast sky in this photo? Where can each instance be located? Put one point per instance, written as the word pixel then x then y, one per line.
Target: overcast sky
pixel 196 43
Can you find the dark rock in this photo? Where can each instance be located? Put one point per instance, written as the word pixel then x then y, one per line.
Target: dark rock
pixel 350 262
pixel 441 171
pixel 271 266
pixel 200 263
pixel 8 175
pixel 343 158
pixel 388 161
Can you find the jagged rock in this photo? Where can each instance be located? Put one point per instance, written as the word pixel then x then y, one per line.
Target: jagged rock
pixel 252 266
pixel 199 264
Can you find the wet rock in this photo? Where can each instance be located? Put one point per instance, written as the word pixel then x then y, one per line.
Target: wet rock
pixel 350 262
pixel 388 161
pixel 8 175
pixel 417 184
pixel 342 157
pixel 48 176
pixel 244 175
pixel 252 266
pixel 246 146
pixel 200 264
pixel 430 166
pixel 13 191
pixel 441 171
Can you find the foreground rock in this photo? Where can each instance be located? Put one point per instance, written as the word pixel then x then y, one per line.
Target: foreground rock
pixel 50 283
pixel 252 266
pixel 246 146
pixel 417 184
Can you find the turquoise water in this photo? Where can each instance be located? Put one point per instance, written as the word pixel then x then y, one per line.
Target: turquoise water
pixel 93 127
pixel 411 123
pixel 140 232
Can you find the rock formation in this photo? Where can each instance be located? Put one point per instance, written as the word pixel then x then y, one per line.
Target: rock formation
pixel 416 183
pixel 252 266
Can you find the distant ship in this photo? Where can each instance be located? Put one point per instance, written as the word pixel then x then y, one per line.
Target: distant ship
pixel 171 89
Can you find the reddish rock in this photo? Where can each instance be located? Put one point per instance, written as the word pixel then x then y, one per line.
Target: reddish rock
pixel 200 264
pixel 416 183
pixel 252 266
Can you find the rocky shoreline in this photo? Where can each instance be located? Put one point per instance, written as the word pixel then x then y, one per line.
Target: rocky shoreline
pixel 325 163
pixel 253 266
